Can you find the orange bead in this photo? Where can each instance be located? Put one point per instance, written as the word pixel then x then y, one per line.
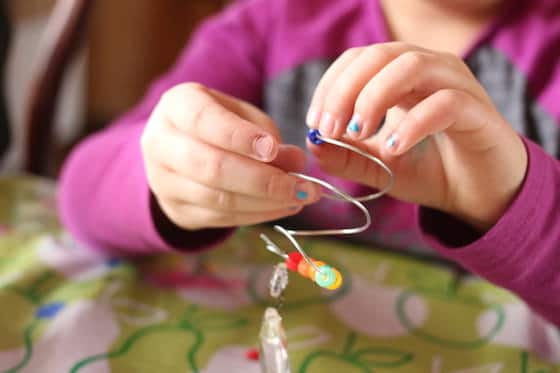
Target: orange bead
pixel 303 268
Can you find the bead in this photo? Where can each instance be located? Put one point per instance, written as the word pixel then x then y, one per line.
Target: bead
pixel 338 281
pixel 312 135
pixel 293 260
pixel 311 270
pixel 252 354
pixel 326 277
pixel 303 268
pixel 279 280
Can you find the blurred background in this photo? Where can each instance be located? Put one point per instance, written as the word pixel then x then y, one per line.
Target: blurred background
pixel 125 44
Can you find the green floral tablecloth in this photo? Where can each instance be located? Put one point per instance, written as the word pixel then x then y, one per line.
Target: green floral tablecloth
pixel 65 309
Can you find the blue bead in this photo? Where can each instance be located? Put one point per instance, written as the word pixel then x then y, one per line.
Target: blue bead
pixel 49 310
pixel 312 135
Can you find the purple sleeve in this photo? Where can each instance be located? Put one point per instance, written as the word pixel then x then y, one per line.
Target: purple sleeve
pixel 522 251
pixel 104 198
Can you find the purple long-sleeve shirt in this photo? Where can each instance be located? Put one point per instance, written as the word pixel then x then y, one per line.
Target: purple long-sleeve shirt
pixel 272 53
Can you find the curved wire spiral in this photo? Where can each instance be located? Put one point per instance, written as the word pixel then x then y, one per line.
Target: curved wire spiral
pixel 337 194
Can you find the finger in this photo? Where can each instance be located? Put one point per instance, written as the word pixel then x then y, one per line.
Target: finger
pixel 409 78
pixel 349 165
pixel 248 111
pixel 290 158
pixel 219 169
pixel 463 117
pixel 184 215
pixel 173 186
pixel 329 77
pixel 394 116
pixel 214 124
pixel 340 99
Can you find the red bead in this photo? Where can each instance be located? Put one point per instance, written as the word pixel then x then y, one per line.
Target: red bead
pixel 252 354
pixel 293 260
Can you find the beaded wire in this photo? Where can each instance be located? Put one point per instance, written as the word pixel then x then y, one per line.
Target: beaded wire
pixel 316 138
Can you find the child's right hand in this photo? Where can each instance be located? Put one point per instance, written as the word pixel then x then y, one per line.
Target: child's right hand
pixel 214 161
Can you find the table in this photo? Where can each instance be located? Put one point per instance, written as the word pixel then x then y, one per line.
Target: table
pixel 66 309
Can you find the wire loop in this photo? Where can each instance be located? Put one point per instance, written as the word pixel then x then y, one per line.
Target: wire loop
pixel 336 194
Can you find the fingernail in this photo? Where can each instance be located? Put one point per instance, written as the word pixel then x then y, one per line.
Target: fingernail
pixel 303 191
pixel 263 147
pixel 327 124
pixel 311 119
pixel 353 127
pixel 392 142
pixel 302 195
pixel 294 208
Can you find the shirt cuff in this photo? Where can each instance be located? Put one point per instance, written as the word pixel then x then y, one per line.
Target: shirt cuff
pixel 495 251
pixel 172 237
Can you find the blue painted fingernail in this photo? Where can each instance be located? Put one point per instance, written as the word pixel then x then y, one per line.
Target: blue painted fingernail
pixel 392 141
pixel 354 125
pixel 301 195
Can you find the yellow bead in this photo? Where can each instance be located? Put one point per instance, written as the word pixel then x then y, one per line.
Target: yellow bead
pixel 338 281
pixel 303 268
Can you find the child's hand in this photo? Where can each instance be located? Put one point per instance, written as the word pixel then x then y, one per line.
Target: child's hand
pixel 214 161
pixel 445 141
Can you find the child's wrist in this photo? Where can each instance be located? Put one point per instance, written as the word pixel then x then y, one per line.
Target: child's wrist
pixel 495 199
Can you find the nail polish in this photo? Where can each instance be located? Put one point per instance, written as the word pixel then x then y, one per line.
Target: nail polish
pixel 302 195
pixel 392 142
pixel 354 125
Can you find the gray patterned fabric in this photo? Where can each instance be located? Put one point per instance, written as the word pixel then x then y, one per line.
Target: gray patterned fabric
pixel 287 99
pixel 509 91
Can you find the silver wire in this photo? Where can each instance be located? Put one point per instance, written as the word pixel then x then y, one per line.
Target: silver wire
pixel 345 197
pixel 272 247
pixel 372 158
pixel 338 195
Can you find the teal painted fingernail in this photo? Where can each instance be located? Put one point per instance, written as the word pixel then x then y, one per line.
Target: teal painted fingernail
pixel 392 141
pixel 301 195
pixel 354 125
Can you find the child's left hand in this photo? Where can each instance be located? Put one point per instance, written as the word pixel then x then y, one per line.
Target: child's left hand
pixel 448 146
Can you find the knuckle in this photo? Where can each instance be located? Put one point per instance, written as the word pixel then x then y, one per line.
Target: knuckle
pixel 183 160
pixel 414 60
pixel 376 52
pixel 451 97
pixel 199 112
pixel 234 137
pixel 352 52
pixel 344 88
pixel 278 186
pixel 225 200
pixel 213 168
